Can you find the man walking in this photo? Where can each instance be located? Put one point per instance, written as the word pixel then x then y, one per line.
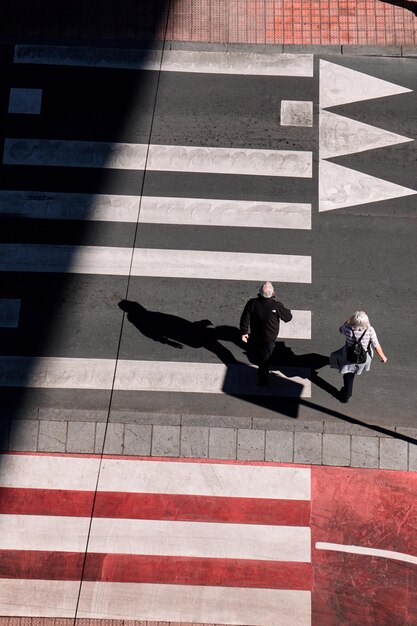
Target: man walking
pixel 262 315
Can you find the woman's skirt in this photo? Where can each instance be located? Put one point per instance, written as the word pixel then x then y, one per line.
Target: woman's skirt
pixel 339 361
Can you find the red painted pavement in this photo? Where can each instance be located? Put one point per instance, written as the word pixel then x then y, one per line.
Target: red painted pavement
pixel 368 508
pixel 373 509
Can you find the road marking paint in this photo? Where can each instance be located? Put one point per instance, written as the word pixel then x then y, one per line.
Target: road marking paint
pixel 158 537
pixel 340 135
pixel 42 532
pixel 114 261
pixel 67 153
pixel 170 158
pixel 49 472
pixel 132 375
pixel 341 187
pixel 188 377
pixel 293 163
pixel 213 540
pixel 296 113
pixel 38 598
pixel 209 212
pixel 174 507
pixel 385 554
pixel 182 603
pixel 53 372
pixel 234 606
pixel 221 265
pixel 266 64
pixel 111 261
pixel 132 568
pixel 9 312
pixel 342 85
pixel 25 101
pixel 69 206
pixel 155 210
pixel 206 479
pixel 298 328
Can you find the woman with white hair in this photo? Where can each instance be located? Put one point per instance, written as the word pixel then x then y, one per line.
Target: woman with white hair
pixel 357 353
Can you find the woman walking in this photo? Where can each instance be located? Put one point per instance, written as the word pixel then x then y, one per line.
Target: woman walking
pixel 356 355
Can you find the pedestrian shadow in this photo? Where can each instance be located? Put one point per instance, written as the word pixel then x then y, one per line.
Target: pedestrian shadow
pixel 174 331
pixel 404 4
pixel 289 371
pixel 285 360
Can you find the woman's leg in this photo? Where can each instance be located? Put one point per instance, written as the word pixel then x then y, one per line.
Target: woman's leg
pixel 346 391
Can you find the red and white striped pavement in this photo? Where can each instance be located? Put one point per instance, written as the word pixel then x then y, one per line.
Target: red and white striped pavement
pixel 205 542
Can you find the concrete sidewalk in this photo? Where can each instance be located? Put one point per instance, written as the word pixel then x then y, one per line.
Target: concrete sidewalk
pixel 343 443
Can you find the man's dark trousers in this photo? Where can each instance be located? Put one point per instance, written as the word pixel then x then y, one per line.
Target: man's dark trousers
pixel 260 352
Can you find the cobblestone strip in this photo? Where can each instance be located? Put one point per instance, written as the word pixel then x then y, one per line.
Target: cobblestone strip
pixel 287 441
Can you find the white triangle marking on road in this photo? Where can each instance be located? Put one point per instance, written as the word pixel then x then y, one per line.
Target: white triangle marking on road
pixel 341 135
pixel 342 187
pixel 341 85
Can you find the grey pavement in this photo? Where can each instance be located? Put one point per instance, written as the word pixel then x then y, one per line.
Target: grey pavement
pixel 288 441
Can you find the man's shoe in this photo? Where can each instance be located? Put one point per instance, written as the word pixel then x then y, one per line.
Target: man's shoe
pixel 342 396
pixel 262 381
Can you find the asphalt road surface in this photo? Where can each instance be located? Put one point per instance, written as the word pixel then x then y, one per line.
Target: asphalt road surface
pixel 141 209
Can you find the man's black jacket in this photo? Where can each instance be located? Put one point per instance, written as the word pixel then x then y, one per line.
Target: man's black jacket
pixel 263 316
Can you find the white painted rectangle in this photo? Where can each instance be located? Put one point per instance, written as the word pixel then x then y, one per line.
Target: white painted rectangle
pixel 155 210
pixel 38 598
pixel 246 63
pixel 238 161
pixel 65 259
pixel 212 62
pixel 190 539
pixel 165 158
pixel 221 265
pixel 298 328
pixel 35 471
pixel 25 101
pixel 183 603
pixel 205 479
pixel 32 471
pixel 139 601
pixel 188 377
pixel 68 153
pixel 209 212
pixel 69 206
pixel 134 375
pixel 56 372
pixel 155 537
pixel 9 312
pixel 42 532
pixel 156 262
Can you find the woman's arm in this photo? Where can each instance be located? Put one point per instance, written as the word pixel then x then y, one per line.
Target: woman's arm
pixel 380 352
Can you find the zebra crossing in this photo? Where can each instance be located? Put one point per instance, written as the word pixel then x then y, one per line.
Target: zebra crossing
pixel 135 223
pixel 180 190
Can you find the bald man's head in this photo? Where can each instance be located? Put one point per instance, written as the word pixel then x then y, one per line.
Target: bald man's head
pixel 266 290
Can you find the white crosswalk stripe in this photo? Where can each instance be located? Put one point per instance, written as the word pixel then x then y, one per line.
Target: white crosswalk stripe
pixel 170 60
pixel 161 376
pixel 131 156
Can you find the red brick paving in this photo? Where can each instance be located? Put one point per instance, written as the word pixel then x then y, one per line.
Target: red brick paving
pixel 365 22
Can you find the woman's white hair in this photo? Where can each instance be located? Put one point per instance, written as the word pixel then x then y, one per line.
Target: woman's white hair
pixel 359 320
